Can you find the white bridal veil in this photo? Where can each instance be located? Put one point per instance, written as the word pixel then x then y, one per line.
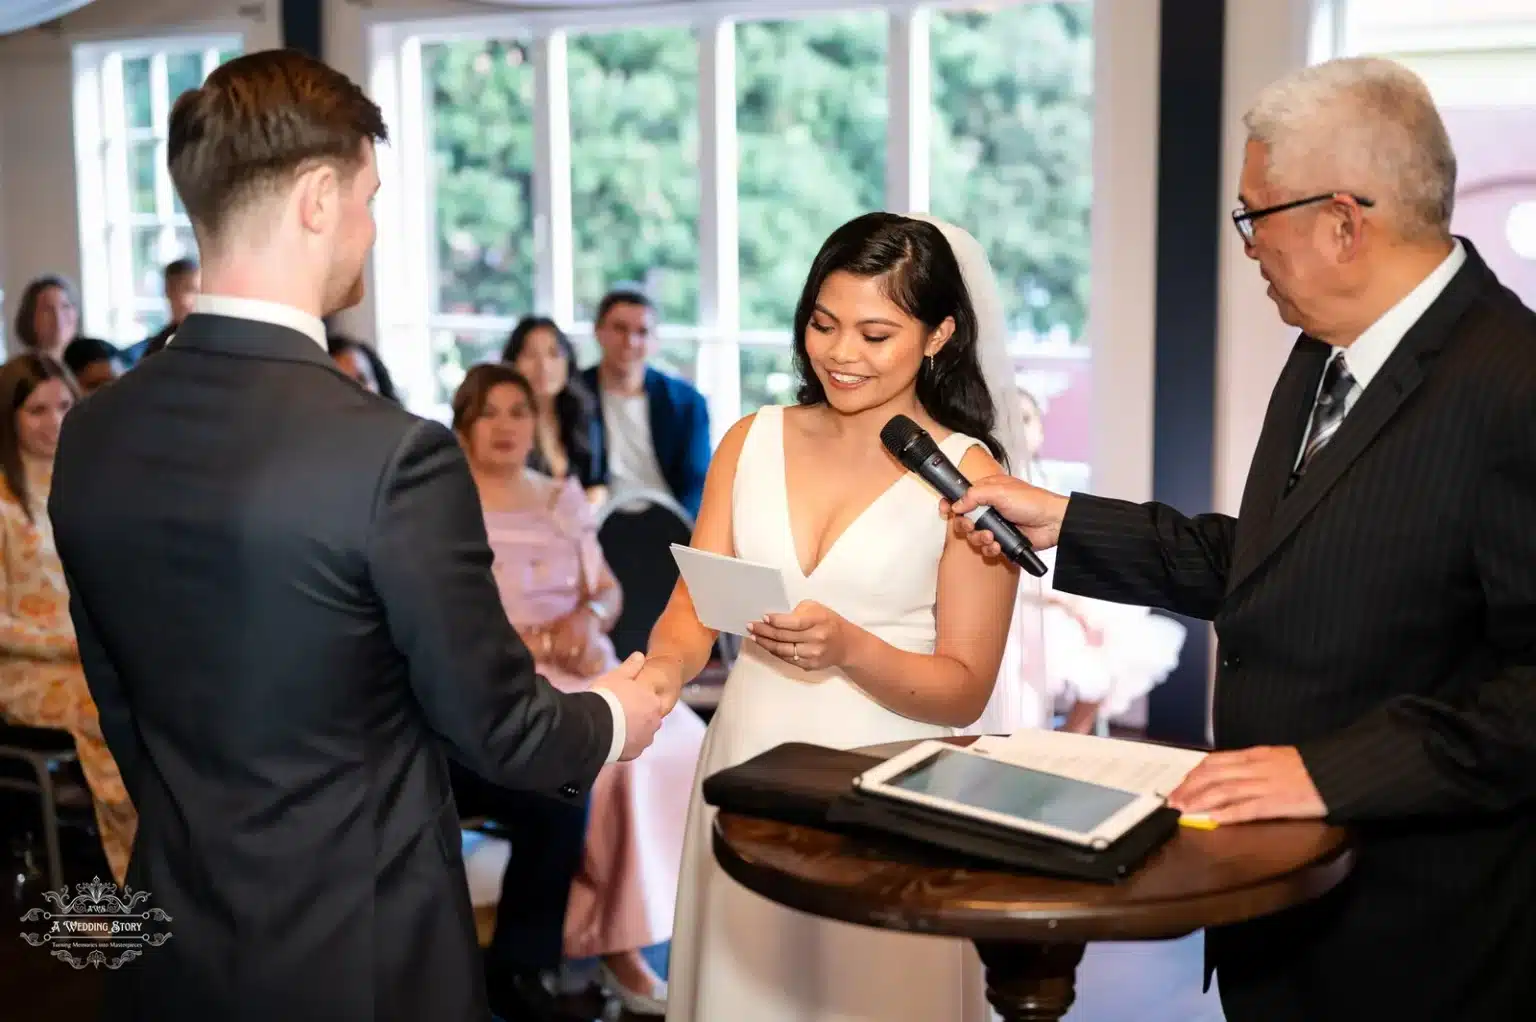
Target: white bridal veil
pixel 1019 699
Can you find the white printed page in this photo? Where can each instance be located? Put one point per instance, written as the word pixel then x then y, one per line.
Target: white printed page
pixel 1131 766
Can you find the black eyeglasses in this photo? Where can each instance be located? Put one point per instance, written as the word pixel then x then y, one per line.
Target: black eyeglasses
pixel 1243 219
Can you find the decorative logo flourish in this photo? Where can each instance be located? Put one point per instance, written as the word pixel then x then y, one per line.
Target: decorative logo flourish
pixel 101 925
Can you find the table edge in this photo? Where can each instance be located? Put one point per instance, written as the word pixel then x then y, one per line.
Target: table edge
pixel 1150 920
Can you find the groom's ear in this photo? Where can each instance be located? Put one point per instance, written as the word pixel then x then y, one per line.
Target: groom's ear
pixel 940 337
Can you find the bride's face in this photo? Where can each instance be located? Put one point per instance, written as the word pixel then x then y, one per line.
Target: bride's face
pixel 864 348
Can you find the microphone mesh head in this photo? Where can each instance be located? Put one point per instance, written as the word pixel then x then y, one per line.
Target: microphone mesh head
pixel 908 441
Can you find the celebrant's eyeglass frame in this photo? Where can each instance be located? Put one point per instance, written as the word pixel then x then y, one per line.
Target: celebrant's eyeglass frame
pixel 1243 219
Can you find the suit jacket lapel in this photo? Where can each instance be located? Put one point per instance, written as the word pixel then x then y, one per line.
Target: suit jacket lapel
pixel 1285 423
pixel 1401 374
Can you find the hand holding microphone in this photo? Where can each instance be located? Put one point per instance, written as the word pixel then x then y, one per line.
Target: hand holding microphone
pixel 987 513
pixel 1037 513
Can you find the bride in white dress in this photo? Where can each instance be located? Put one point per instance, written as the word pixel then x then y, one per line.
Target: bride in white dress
pixel 898 628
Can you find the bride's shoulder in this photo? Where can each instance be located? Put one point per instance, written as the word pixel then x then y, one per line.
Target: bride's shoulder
pixel 736 436
pixel 971 454
pixel 728 452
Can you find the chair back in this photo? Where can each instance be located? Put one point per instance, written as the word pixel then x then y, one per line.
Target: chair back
pixel 636 532
pixel 24 751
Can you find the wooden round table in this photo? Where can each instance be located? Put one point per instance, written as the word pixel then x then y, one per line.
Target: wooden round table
pixel 1030 930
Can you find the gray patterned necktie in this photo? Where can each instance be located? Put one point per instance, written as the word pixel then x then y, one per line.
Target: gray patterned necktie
pixel 1327 414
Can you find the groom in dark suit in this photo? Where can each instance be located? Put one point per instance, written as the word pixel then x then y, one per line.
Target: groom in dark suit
pixel 1375 598
pixel 283 597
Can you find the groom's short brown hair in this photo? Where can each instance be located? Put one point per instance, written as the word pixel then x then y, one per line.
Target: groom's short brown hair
pixel 257 122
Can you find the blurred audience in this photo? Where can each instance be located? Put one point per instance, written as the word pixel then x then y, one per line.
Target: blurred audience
pixel 560 594
pixel 363 364
pixel 94 363
pixel 654 427
pixel 48 316
pixel 41 681
pixel 568 434
pixel 183 280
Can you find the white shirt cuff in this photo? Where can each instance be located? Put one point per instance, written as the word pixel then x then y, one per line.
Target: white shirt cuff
pixel 620 731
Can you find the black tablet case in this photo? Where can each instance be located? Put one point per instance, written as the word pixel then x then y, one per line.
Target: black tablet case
pixel 813 786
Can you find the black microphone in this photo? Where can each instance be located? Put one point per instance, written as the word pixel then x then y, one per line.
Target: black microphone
pixel 915 449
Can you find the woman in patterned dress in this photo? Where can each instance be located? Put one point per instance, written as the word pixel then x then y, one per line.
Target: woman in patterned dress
pixel 41 681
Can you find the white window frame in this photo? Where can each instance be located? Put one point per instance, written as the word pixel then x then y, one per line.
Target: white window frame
pixel 103 140
pixel 403 306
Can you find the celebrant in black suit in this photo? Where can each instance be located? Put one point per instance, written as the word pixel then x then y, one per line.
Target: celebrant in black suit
pixel 1375 597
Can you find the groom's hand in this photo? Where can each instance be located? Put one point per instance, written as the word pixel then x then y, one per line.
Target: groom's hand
pixel 643 705
pixel 1038 513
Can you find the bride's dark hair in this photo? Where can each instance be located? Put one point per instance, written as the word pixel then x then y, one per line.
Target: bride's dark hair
pixel 918 271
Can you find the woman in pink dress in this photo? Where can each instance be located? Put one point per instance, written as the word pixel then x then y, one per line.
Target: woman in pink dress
pixel 562 598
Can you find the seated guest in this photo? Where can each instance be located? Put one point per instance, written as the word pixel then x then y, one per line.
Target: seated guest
pixel 41 681
pixel 183 280
pixel 654 426
pixel 48 316
pixel 567 434
pixel 362 363
pixel 562 598
pixel 94 363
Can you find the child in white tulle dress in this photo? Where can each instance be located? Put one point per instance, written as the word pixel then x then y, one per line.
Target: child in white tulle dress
pixel 1099 657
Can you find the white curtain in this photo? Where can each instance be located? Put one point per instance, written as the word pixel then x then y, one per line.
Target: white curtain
pixel 18 15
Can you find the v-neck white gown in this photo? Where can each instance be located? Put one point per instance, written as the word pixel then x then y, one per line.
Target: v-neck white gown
pixel 737 957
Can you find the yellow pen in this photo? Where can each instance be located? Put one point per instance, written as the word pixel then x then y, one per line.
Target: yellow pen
pixel 1198 822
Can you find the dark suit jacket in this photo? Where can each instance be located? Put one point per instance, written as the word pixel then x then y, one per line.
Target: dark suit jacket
pixel 285 608
pixel 1382 618
pixel 679 430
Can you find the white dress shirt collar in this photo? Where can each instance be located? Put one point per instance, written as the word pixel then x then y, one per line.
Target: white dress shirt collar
pixel 1373 347
pixel 262 312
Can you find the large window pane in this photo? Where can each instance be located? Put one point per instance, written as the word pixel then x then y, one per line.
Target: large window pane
pixel 634 167
pixel 678 357
pixel 136 93
pixel 1013 155
pixel 767 375
pixel 184 72
pixel 457 351
pixel 480 97
pixel 1012 162
pixel 142 158
pixel 811 114
pixel 147 264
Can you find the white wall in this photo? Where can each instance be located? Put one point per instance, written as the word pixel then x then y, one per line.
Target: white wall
pixel 39 227
pixel 1123 301
pixel 1265 40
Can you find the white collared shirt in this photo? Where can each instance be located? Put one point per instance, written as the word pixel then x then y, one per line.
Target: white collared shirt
pixel 262 312
pixel 1371 349
pixel 312 327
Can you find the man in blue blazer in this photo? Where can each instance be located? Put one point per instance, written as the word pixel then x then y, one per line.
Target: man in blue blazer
pixel 653 427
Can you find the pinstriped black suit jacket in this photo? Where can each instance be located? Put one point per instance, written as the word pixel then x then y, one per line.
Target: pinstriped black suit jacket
pixel 1382 618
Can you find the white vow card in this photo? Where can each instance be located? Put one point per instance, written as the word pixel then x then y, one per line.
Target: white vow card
pixel 728 592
